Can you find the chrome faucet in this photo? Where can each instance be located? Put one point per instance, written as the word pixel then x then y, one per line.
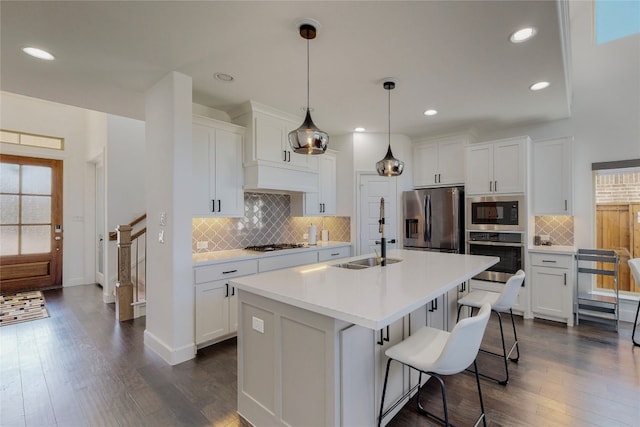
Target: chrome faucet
pixel 383 241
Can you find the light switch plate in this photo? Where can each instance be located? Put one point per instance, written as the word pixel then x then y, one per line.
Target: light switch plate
pixel 257 324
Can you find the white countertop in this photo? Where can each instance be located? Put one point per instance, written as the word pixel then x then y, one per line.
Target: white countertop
pixel 372 297
pixel 216 257
pixel 557 249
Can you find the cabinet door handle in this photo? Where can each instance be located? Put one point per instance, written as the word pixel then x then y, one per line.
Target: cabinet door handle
pixel 219 205
pixel 431 309
pixel 233 290
pixel 490 185
pixel 284 152
pixel 565 279
pixel 495 185
pixel 226 295
pixel 380 341
pixel 439 179
pixel 387 338
pixel 289 158
pixel 230 271
pixel 213 205
pixel 435 178
pixel 565 205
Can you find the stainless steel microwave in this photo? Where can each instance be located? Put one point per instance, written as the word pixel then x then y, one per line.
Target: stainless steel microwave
pixel 500 213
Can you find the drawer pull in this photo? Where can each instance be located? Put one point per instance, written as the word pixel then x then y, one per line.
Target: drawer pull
pixel 335 254
pixel 230 271
pixel 549 260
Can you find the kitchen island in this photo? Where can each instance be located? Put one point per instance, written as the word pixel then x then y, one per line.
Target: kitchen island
pixel 311 339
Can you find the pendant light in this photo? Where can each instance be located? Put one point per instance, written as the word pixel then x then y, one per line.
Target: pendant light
pixel 308 139
pixel 389 166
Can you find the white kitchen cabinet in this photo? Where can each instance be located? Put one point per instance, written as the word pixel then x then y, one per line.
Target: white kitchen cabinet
pixel 439 162
pixel 278 262
pixel 334 253
pixel 322 202
pixel 497 167
pixel 216 300
pixel 553 177
pixel 398 381
pixel 552 286
pixel 217 169
pixel 269 161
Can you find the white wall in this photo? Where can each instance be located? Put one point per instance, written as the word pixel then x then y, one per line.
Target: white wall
pixel 32 115
pixel 124 183
pixel 605 120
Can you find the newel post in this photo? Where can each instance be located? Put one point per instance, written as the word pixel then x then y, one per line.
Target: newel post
pixel 124 286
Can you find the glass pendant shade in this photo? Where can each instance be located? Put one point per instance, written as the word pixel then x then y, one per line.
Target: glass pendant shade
pixel 308 139
pixel 389 166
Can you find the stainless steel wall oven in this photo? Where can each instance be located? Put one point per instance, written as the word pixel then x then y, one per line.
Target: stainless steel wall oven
pixel 509 247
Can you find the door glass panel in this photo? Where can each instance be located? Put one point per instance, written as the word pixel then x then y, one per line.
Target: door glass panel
pixel 8 240
pixel 9 178
pixel 36 210
pixel 36 180
pixel 36 239
pixel 8 209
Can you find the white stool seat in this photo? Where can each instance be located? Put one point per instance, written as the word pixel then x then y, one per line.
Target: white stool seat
pixel 499 302
pixel 435 352
pixel 477 299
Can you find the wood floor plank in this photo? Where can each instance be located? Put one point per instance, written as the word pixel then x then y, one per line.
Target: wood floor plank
pixel 80 367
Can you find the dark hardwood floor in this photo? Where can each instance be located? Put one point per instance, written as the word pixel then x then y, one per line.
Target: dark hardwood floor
pixel 80 367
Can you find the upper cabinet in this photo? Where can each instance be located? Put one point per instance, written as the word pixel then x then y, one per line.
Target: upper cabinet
pixel 217 169
pixel 269 161
pixel 322 202
pixel 553 177
pixel 439 162
pixel 497 167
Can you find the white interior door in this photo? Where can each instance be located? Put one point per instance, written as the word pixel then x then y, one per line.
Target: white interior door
pixel 372 188
pixel 102 238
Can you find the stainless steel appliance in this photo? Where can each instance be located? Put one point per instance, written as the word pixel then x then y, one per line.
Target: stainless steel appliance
pixel 500 213
pixel 509 247
pixel 434 219
pixel 274 247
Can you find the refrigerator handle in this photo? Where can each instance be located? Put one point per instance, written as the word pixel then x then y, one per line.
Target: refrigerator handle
pixel 427 219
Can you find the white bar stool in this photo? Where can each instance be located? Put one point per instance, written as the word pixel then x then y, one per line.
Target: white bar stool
pixel 499 302
pixel 435 352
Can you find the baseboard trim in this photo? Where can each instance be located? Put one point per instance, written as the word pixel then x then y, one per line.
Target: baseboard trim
pixel 170 355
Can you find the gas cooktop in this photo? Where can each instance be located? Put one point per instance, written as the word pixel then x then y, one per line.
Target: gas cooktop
pixel 274 247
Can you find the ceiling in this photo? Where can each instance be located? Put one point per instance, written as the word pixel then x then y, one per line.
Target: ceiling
pixel 454 56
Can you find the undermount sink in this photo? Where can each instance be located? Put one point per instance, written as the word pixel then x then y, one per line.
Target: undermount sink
pixel 359 264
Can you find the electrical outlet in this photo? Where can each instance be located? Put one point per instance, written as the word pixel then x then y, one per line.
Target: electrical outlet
pixel 202 244
pixel 305 236
pixel 257 324
pixel 161 236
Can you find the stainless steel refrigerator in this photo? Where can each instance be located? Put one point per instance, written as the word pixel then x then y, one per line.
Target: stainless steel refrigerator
pixel 434 219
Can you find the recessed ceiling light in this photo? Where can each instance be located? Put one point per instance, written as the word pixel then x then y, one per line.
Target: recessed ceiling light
pixel 539 85
pixel 38 53
pixel 522 35
pixel 359 129
pixel 223 77
pixel 430 112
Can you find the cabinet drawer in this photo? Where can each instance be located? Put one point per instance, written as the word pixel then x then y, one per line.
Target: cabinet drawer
pixel 551 260
pixel 225 271
pixel 286 261
pixel 333 253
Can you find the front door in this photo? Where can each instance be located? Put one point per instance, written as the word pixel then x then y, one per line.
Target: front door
pixel 30 223
pixel 372 188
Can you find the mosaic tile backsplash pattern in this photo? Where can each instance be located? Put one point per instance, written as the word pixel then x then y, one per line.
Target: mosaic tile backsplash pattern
pixel 266 220
pixel 559 229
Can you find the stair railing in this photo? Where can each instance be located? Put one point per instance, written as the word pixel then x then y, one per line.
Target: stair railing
pixel 130 288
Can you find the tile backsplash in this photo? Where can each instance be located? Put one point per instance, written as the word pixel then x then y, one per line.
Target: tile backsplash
pixel 559 229
pixel 266 220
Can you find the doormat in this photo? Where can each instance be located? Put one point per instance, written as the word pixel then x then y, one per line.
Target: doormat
pixel 22 307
